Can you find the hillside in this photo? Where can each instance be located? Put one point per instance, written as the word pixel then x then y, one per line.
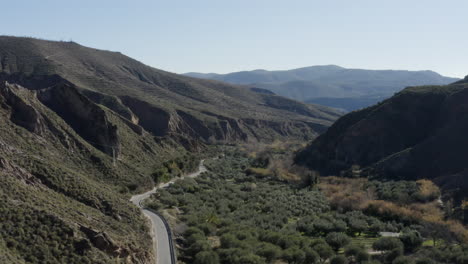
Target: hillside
pixel 83 129
pixel 59 189
pixel 162 102
pixel 418 133
pixel 331 85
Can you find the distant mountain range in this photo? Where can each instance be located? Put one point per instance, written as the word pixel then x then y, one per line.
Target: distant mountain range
pixel 331 85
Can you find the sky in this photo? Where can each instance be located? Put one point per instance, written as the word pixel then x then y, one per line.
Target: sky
pixel 233 35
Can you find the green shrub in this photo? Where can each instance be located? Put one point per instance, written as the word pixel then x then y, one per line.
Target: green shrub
pixel 206 257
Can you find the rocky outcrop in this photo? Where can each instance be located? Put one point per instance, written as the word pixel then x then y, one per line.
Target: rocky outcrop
pixel 103 242
pixel 210 127
pixel 112 103
pixel 22 113
pixel 32 82
pixel 84 116
pixel 153 119
pixel 21 174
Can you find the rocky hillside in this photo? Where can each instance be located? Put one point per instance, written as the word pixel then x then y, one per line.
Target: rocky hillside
pixel 161 102
pixel 59 185
pixel 331 85
pixel 418 133
pixel 81 129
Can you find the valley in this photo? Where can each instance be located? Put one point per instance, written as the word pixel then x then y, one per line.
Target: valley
pixel 161 235
pixel 104 159
pixel 231 215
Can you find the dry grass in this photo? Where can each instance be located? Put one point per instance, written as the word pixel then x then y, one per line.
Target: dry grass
pixel 346 193
pixel 280 157
pixel 351 194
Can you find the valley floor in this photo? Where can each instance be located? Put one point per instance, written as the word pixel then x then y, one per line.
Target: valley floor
pixel 231 215
pixel 160 233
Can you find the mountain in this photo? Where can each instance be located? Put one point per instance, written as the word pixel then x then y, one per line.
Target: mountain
pixel 82 129
pixel 331 85
pixel 418 133
pixel 162 102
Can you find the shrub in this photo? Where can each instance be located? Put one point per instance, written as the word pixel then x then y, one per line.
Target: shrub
pixel 206 257
pixel 259 172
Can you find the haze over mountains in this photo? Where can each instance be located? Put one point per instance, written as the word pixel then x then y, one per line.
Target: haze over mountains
pixel 331 85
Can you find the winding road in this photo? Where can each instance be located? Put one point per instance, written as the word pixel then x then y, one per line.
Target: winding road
pixel 160 232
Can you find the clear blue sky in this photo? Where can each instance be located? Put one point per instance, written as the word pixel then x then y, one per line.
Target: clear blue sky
pixel 224 36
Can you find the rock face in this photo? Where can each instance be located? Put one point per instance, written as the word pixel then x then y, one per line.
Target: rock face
pixel 418 133
pixel 20 173
pixel 211 127
pixel 102 241
pixel 22 113
pixel 85 117
pixel 46 166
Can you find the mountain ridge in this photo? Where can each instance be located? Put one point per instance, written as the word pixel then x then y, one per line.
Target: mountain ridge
pixel 417 133
pixel 117 75
pixel 355 88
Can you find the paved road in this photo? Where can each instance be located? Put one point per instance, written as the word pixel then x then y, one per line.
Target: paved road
pixel 160 234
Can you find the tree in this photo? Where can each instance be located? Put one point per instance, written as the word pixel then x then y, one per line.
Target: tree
pixel 435 229
pixel 323 225
pixel 229 241
pixel 311 256
pixel 356 254
pixel 269 251
pixel 425 260
pixel 411 240
pixel 392 247
pixel 402 260
pixel 250 259
pixel 357 225
pixel 294 255
pixel 352 250
pixel 337 240
pixel 324 251
pixel 198 246
pixel 387 243
pixel 339 260
pixel 362 256
pixel 206 257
